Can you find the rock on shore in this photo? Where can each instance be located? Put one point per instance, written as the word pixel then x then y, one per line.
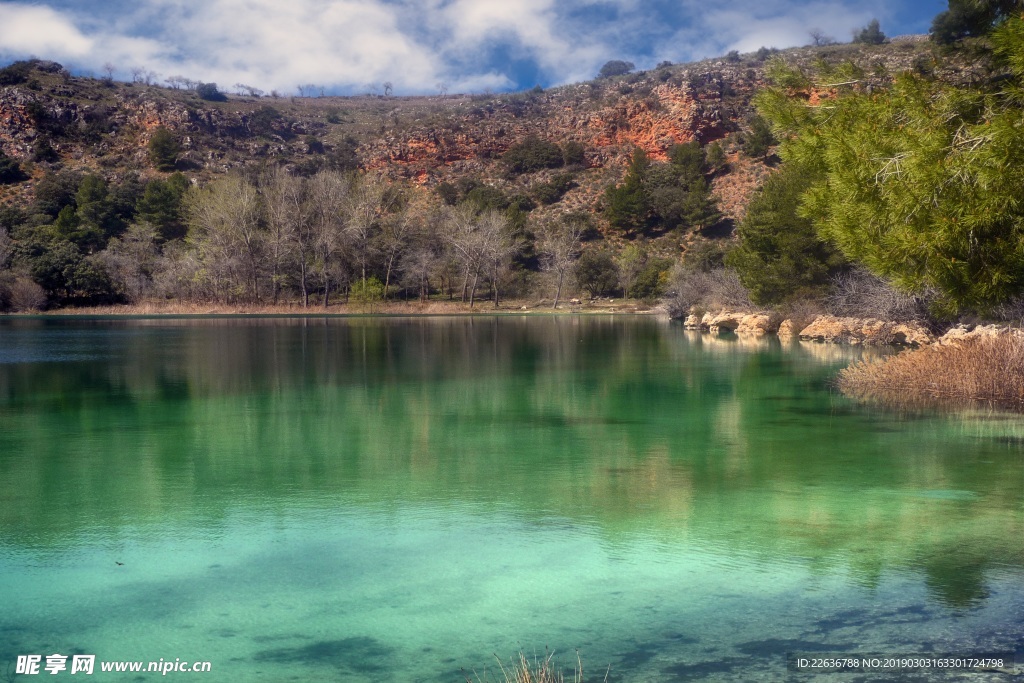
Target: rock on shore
pixel 868 331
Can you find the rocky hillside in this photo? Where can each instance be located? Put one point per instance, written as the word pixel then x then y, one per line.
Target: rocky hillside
pixel 51 120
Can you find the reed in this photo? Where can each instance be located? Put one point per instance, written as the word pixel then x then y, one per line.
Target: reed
pixel 987 370
pixel 522 669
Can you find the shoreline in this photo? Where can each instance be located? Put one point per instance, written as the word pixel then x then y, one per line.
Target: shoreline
pixel 412 308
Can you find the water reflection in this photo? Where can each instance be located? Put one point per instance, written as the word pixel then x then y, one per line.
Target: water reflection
pixel 631 426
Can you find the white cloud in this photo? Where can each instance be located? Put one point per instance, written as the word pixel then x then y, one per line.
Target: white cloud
pixel 31 29
pixel 414 44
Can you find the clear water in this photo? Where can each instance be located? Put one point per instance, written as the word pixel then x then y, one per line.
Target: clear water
pixel 372 499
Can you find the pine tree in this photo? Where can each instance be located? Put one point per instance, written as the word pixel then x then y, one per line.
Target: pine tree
pixel 627 206
pixel 919 183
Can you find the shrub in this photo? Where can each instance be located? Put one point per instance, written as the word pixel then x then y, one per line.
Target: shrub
pixel 532 154
pixel 695 290
pixel 15 73
pixel 209 92
pixel 652 281
pixel 573 153
pixel 860 294
pixel 448 193
pixel 522 670
pixel 26 295
pixel 367 294
pixel 596 273
pixel 615 67
pixel 10 170
pixel 261 121
pixel 757 142
pixel 552 191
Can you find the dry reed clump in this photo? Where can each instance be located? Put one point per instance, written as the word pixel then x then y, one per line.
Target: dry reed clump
pixel 537 671
pixel 987 370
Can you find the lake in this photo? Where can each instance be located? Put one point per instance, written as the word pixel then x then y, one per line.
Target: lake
pixel 396 499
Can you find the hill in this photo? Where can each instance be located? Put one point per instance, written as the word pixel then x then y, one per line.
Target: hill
pixel 53 123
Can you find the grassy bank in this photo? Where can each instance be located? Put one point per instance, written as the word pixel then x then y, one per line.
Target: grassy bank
pixel 987 370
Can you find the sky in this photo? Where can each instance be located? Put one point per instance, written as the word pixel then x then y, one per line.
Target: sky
pixel 419 46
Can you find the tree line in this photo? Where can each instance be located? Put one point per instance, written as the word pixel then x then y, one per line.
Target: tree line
pixel 267 236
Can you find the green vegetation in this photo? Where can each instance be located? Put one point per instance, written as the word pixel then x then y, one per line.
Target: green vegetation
pixel 919 183
pixel 663 196
pixel 870 34
pixel 780 256
pixel 758 142
pixel 970 19
pixel 209 92
pixel 615 67
pixel 532 154
pixel 15 73
pixel 163 149
pixel 553 190
pixel 10 170
pixel 597 273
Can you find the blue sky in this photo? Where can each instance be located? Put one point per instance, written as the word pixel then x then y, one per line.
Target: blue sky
pixel 419 46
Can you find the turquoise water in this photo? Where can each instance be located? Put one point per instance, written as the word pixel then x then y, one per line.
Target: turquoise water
pixel 395 499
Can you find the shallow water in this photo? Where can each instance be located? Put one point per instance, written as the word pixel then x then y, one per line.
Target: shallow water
pixel 371 499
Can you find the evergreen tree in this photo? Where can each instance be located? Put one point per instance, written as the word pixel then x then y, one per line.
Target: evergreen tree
pixel 163 149
pixel 779 255
pixel 627 206
pixel 758 141
pixel 870 34
pixel 10 170
pixel 970 18
pixel 919 183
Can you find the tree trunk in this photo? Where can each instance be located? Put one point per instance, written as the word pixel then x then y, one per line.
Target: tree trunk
pixel 494 283
pixel 472 293
pixel 305 289
pixel 558 291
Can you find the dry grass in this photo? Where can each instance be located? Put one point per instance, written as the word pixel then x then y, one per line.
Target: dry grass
pixel 522 670
pixel 987 370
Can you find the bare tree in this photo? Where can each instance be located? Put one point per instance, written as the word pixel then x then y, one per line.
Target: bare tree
pixel 483 245
pixel 460 233
pixel 288 227
pixel 388 89
pixel 369 200
pixel 819 38
pixel 328 191
pixel 560 247
pixel 227 230
pixel 394 239
pixel 131 260
pixel 109 70
pixel 498 246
